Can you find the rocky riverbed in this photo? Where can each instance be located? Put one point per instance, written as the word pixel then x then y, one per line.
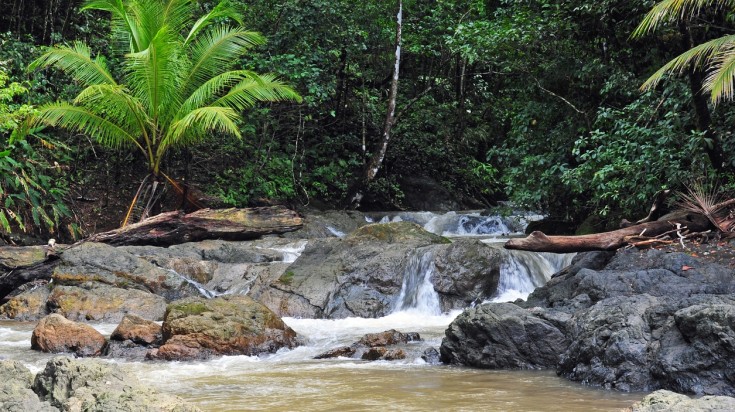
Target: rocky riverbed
pixel 632 321
pixel 628 321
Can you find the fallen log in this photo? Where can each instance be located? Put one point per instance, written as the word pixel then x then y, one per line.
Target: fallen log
pixel 613 240
pixel 20 265
pixel 173 228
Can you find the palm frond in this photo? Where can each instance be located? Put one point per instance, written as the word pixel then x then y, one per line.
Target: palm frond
pixel 720 80
pixel 76 60
pixel 257 88
pixel 177 14
pixel 697 56
pixel 85 121
pixel 199 123
pixel 154 77
pixel 124 27
pixel 216 50
pixel 117 105
pixel 214 88
pixel 668 11
pixel 706 200
pixel 223 10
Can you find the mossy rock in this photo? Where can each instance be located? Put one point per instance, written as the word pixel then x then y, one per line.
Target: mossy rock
pixel 395 232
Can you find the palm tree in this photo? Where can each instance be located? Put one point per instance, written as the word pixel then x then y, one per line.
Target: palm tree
pixel 716 57
pixel 179 82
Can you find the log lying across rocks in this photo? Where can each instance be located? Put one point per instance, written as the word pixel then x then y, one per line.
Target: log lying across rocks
pixel 173 228
pixel 613 240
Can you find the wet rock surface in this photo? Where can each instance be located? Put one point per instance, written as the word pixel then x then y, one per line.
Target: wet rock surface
pixel 90 385
pixel 388 346
pixel 56 334
pixel 196 328
pixel 137 330
pixel 645 320
pixel 362 274
pixel 667 401
pixel 16 393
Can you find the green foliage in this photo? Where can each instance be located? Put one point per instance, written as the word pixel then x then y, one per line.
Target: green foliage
pixel 179 83
pixel 31 196
pixel 633 153
pixel 266 178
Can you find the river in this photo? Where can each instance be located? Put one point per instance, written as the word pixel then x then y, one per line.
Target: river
pixel 291 380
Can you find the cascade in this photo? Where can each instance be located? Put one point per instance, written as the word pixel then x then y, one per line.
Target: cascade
pixel 204 291
pixel 521 272
pixel 292 251
pixel 469 223
pixel 417 292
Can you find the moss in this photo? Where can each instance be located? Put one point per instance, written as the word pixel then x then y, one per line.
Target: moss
pixel 191 308
pixel 397 232
pixel 287 278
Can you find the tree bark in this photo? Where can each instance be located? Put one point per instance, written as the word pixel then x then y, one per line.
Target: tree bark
pixel 356 194
pixel 539 242
pixel 173 228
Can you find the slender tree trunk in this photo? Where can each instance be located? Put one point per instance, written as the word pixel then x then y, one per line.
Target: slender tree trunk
pixel 373 167
pixel 713 144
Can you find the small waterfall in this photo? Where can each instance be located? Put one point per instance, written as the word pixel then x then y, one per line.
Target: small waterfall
pixel 469 223
pixel 335 232
pixel 521 272
pixel 417 292
pixel 209 294
pixel 291 251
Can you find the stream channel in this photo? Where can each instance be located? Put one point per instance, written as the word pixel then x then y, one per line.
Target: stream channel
pixel 292 380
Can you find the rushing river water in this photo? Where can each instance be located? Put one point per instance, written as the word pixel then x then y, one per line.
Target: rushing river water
pixel 292 380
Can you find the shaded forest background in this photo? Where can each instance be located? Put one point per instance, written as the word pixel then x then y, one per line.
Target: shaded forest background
pixel 532 101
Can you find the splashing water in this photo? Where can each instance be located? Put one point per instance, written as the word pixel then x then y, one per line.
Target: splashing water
pixel 417 292
pixel 209 294
pixel 521 272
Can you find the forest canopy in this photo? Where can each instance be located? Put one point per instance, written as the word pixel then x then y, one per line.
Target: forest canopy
pixel 536 102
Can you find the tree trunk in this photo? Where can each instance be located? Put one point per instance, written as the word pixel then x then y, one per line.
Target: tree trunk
pixel 713 143
pixel 356 194
pixel 539 242
pixel 173 228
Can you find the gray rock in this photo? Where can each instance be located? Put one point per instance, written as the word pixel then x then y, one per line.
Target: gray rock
pixel 73 385
pixel 502 335
pixel 104 264
pixel 644 321
pixel 667 401
pixel 362 274
pixel 92 301
pixel 431 356
pixel 16 394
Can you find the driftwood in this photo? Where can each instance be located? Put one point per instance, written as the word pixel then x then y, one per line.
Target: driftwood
pixel 23 265
pixel 539 242
pixel 173 228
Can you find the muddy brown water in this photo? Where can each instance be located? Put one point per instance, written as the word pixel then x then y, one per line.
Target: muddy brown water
pixel 292 381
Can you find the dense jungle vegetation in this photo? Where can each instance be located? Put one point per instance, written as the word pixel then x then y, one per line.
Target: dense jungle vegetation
pixel 534 101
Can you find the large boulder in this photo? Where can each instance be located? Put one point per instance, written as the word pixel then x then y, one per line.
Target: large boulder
pixel 27 306
pixel 196 328
pixel 667 401
pixel 108 265
pixel 138 330
pixel 72 385
pixel 16 393
pixel 360 275
pixel 641 321
pixel 502 335
pixel 56 334
pixel 92 301
pixel 363 273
